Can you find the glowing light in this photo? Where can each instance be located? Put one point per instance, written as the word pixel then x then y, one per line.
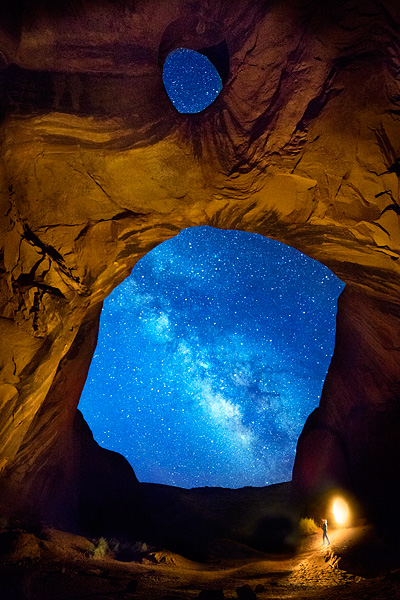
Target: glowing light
pixel 341 511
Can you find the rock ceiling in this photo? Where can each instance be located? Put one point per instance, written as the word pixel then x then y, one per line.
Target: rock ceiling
pixel 302 145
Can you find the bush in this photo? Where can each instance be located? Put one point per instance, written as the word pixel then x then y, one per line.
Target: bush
pixel 112 548
pixel 128 552
pixel 100 548
pixel 308 526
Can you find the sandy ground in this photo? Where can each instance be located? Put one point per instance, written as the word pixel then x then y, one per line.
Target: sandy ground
pixel 314 572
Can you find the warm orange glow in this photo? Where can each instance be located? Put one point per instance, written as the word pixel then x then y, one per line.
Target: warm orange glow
pixel 341 511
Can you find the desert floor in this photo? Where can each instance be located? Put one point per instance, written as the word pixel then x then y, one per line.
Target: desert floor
pixel 355 565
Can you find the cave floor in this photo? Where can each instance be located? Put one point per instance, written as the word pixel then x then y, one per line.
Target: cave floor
pixel 314 572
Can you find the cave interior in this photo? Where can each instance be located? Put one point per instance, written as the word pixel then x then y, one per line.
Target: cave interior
pixel 302 145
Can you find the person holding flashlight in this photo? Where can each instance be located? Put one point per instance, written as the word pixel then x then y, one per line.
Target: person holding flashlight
pixel 324 527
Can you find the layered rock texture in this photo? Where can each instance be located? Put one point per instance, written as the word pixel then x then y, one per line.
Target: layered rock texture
pixel 97 167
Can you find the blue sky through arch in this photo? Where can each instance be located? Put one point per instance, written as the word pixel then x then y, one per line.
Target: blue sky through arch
pixel 210 357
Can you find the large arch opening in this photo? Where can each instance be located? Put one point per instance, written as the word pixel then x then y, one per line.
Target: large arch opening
pixel 210 358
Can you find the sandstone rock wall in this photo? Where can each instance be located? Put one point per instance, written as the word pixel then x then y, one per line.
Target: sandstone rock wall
pixel 97 168
pixel 351 441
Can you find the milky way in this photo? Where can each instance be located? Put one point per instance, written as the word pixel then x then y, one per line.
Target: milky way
pixel 211 355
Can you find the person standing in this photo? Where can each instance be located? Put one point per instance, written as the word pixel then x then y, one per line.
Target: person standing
pixel 325 532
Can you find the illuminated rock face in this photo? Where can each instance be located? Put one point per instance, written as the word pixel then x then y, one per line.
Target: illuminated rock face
pixel 352 439
pixel 97 168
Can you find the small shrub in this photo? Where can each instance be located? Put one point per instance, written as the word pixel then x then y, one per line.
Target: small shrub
pixel 114 545
pixel 128 552
pixel 308 526
pixel 100 548
pixel 140 547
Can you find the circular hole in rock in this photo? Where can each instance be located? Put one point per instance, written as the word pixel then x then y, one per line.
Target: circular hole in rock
pixel 191 80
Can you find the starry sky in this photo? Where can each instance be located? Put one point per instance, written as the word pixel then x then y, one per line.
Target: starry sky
pixel 210 357
pixel 191 80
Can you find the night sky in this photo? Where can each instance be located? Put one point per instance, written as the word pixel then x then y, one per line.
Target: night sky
pixel 191 80
pixel 211 355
